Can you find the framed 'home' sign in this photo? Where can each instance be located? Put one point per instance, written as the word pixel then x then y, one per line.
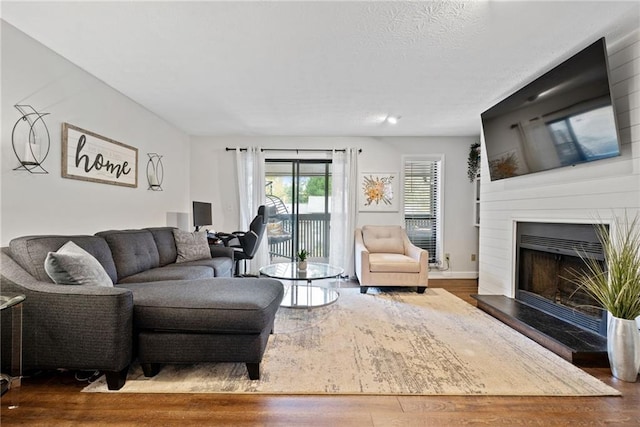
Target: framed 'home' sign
pixel 91 157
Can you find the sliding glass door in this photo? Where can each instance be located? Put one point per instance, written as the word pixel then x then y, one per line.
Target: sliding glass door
pixel 297 200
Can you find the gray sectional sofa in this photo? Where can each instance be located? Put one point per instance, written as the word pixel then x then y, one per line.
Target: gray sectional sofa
pixel 158 310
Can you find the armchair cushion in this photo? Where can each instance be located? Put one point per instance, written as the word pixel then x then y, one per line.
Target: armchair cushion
pixel 72 265
pixel 386 239
pixel 393 263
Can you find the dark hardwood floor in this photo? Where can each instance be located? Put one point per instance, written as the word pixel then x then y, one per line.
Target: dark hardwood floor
pixel 55 399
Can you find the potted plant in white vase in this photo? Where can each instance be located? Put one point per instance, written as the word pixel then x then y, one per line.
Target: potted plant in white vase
pixel 617 290
pixel 302 259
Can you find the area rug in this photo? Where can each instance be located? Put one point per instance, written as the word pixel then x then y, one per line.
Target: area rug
pixel 388 343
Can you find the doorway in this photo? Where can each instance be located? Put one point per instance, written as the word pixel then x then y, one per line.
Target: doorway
pixel 298 203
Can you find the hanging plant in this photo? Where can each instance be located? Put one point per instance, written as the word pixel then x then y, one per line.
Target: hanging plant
pixel 473 163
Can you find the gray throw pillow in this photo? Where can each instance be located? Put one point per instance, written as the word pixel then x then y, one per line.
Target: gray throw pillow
pixel 72 265
pixel 191 246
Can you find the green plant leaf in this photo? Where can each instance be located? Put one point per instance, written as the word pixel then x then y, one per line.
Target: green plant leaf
pixel 617 289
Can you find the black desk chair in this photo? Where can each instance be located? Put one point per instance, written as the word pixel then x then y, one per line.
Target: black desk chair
pixel 245 244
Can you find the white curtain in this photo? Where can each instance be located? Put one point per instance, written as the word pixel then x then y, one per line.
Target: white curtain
pixel 344 210
pixel 250 169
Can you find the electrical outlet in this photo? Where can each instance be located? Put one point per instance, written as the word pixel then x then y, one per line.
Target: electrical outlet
pixel 473 257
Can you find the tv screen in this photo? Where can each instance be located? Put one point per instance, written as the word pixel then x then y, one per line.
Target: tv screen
pixel 563 118
pixel 202 214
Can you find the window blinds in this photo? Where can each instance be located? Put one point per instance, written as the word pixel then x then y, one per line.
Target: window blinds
pixel 421 204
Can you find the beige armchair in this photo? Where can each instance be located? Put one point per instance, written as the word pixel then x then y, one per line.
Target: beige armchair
pixel 384 256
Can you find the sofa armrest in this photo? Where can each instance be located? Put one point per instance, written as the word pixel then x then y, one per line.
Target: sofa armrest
pixel 73 327
pixel 221 251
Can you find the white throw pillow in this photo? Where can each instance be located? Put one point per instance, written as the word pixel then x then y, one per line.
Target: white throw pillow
pixel 72 265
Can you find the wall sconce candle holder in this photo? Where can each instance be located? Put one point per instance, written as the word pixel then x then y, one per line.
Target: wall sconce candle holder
pixel 30 137
pixel 155 172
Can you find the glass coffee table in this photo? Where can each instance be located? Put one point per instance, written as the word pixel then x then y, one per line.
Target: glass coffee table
pixel 304 296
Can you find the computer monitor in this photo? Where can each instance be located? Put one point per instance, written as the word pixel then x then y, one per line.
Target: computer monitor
pixel 202 214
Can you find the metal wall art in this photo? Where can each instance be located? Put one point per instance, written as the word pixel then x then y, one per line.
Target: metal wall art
pixel 155 172
pixel 30 139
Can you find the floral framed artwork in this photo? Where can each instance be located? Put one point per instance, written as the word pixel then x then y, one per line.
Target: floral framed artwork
pixel 378 192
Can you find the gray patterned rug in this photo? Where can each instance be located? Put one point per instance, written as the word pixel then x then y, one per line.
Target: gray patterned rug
pixel 387 343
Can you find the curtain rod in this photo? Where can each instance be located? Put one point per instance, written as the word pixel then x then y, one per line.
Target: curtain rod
pixel 294 149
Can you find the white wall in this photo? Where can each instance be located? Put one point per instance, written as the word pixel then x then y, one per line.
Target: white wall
pixel 36 204
pixel 213 175
pixel 580 194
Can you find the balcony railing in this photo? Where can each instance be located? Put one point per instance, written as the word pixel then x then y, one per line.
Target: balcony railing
pixel 313 235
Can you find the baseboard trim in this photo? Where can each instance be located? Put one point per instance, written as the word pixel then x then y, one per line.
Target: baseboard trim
pixel 435 274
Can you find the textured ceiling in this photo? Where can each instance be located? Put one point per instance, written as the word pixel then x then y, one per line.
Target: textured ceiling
pixel 319 68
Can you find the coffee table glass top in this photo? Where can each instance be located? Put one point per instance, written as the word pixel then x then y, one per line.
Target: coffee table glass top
pixel 289 271
pixel 304 296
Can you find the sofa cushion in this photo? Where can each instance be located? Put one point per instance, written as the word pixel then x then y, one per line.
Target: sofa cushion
pixel 30 253
pixel 216 305
pixel 72 265
pixel 170 272
pixel 133 251
pixel 166 244
pixel 392 263
pixel 222 266
pixel 191 246
pixel 383 238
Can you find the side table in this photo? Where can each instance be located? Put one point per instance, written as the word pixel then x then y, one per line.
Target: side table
pixel 13 303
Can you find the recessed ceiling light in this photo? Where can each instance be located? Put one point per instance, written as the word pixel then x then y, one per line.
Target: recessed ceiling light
pixel 392 120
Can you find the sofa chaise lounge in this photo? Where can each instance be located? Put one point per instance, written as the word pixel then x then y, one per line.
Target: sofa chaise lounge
pixel 174 312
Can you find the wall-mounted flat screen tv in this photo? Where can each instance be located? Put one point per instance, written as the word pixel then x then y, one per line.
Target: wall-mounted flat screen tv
pixel 563 118
pixel 202 214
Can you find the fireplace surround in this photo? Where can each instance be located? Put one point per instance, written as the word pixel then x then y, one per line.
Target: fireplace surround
pixel 546 255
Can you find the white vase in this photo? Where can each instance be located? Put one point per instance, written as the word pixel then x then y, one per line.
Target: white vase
pixel 623 347
pixel 302 265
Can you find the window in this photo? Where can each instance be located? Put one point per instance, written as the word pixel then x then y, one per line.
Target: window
pixel 421 185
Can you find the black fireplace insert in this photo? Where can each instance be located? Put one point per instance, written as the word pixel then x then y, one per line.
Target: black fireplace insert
pixel 546 260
